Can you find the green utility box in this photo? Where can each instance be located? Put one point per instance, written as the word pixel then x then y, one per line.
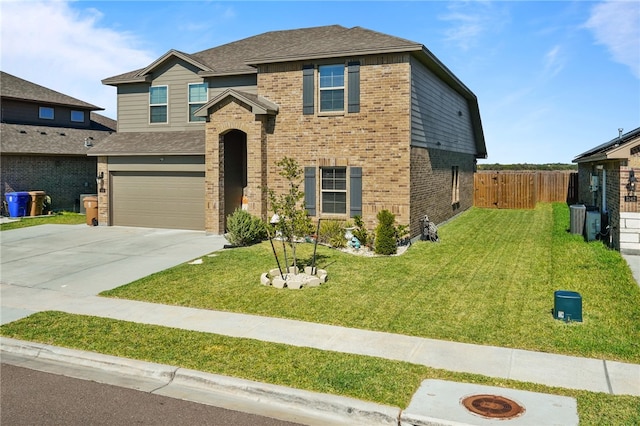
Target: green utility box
pixel 567 306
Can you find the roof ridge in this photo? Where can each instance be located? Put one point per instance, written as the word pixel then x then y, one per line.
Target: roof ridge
pixel 11 86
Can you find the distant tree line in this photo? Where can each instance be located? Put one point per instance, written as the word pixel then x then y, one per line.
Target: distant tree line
pixel 527 167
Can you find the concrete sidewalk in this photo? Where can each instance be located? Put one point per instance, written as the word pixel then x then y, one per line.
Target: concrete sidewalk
pixel 594 375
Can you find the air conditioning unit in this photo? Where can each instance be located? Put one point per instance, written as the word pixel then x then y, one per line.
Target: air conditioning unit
pixel 592 225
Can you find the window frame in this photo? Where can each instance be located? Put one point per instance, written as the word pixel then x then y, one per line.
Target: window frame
pixel 71 114
pixel 43 116
pixel 455 185
pixel 191 118
pixel 158 105
pixel 334 190
pixel 342 88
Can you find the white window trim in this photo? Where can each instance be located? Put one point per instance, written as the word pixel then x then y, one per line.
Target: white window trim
pixel 189 103
pixel 343 87
pixel 166 104
pixel 322 191
pixel 45 108
pixel 77 121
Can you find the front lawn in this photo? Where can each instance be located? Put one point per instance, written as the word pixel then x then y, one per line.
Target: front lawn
pixel 489 281
pixel 63 218
pixel 363 377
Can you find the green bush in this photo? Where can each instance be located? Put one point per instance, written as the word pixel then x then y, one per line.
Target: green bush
pixel 244 229
pixel 332 233
pixel 385 242
pixel 361 232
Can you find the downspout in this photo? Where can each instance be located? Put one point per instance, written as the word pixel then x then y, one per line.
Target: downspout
pixel 604 190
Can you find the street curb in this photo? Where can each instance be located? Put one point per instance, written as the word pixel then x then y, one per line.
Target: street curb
pixel 351 410
pixel 336 409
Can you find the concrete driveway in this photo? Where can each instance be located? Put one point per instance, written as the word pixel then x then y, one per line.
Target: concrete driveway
pixel 85 260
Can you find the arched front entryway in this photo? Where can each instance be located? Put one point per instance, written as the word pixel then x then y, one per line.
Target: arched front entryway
pixel 235 171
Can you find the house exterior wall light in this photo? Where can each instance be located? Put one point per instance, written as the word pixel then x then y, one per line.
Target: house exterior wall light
pixel 100 182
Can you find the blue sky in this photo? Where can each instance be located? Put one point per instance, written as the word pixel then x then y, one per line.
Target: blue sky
pixel 553 78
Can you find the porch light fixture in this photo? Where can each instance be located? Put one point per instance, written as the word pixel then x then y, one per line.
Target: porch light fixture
pixel 100 182
pixel 631 184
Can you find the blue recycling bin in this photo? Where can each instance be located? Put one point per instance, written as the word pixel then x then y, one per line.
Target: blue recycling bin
pixel 17 203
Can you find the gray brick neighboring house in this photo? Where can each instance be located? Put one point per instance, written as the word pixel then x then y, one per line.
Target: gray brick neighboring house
pixel 376 121
pixel 609 181
pixel 44 139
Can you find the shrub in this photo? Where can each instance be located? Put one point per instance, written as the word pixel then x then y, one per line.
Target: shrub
pixel 385 242
pixel 332 233
pixel 361 232
pixel 244 229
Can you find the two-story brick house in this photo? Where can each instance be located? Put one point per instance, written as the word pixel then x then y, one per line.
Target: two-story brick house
pixel 376 121
pixel 45 137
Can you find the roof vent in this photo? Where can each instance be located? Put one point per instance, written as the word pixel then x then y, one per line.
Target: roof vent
pixel 62 134
pixel 43 133
pixel 24 132
pixel 620 129
pixel 87 142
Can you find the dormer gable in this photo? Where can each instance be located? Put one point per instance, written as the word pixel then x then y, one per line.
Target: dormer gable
pixel 171 54
pixel 258 104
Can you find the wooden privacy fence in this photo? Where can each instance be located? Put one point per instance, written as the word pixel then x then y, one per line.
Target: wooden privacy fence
pixel 522 190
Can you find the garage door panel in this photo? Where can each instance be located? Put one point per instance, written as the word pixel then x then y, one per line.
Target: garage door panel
pixel 158 199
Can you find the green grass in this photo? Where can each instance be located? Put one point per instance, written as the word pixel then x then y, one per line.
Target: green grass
pixel 489 281
pixel 367 378
pixel 63 218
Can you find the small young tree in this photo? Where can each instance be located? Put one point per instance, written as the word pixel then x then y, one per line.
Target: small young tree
pixel 293 219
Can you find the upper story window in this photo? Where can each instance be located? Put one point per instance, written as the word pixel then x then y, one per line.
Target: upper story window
pixel 77 116
pixel 45 113
pixel 158 101
pixel 331 95
pixel 197 98
pixel 331 87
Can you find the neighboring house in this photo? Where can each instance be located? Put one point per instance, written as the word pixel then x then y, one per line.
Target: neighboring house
pixel 45 136
pixel 609 179
pixel 377 122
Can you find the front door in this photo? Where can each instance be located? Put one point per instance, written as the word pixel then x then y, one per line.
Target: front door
pixel 235 171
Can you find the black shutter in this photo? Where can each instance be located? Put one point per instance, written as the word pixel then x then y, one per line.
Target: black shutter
pixel 355 191
pixel 354 87
pixel 307 89
pixel 310 190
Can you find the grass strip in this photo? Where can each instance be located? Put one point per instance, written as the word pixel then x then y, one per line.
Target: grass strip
pixel 63 218
pixel 367 378
pixel 490 281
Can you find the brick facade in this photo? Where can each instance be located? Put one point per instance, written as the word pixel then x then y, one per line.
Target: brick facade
pixel 63 178
pixel 623 215
pixel 408 181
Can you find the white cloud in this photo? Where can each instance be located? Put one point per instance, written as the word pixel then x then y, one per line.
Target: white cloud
pixel 615 25
pixel 470 21
pixel 553 61
pixel 60 47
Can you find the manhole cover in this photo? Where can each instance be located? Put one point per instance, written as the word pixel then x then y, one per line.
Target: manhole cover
pixel 493 406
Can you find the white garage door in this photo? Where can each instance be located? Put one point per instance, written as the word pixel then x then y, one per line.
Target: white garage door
pixel 158 199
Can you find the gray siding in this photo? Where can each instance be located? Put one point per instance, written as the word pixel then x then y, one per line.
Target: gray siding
pixel 133 99
pixel 440 116
pixel 28 113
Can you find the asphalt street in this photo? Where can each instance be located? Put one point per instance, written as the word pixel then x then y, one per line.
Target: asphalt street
pixel 32 397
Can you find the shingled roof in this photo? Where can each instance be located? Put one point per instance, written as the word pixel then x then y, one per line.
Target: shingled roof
pixel 12 87
pixel 602 151
pixel 44 140
pixel 156 143
pixel 240 57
